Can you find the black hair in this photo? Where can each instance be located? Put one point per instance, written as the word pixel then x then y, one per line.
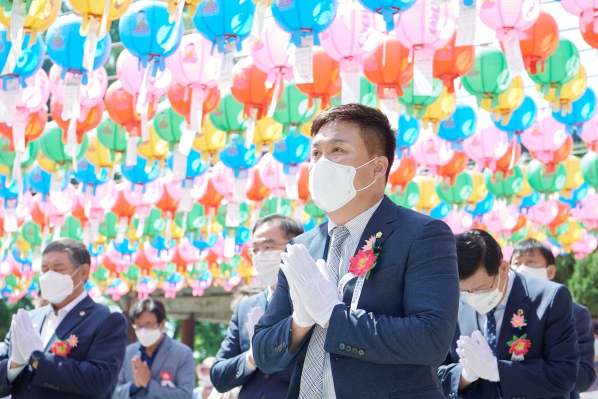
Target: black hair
pixel 527 247
pixel 148 305
pixel 78 253
pixel 375 130
pixel 290 227
pixel 475 249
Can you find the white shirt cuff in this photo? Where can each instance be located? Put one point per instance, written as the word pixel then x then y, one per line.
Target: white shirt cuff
pixel 249 367
pixel 13 373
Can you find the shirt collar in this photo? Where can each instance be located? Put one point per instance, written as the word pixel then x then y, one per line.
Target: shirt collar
pixel 503 303
pixel 142 348
pixel 67 308
pixel 269 293
pixel 357 225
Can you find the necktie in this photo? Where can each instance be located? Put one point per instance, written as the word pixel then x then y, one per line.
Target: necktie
pixel 490 330
pixel 313 369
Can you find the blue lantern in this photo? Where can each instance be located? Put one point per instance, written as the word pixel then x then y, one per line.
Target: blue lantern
pixel 459 126
pixel 201 243
pixel 583 110
pixel 31 59
pixel 522 119
pixel 388 8
pixel 440 211
pixel 195 165
pixel 39 180
pixel 482 207
pixel 125 248
pixel 66 46
pixel 142 173
pixel 222 21
pixel 292 150
pixel 243 235
pixel 530 200
pixel 303 18
pixel 146 31
pixel 576 196
pixel 407 134
pixel 238 157
pixel 86 174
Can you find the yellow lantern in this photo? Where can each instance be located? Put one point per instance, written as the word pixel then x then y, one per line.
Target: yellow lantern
pixel 574 177
pixel 97 154
pixel 306 127
pixel 153 149
pixel 428 199
pixel 22 245
pixel 210 142
pixel 479 191
pixel 46 163
pixel 246 270
pixel 526 189
pixel 94 10
pixel 172 4
pixel 572 235
pixel 570 92
pixel 40 17
pixel 267 131
pixel 176 232
pixel 535 232
pixel 4 171
pixel 508 101
pixel 439 110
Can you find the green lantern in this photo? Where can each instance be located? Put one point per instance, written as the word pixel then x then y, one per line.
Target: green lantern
pixel 7 156
pixel 32 233
pixel 243 215
pixel 228 117
pixel 543 182
pixel 415 105
pixel 196 219
pixel 108 227
pixel 589 168
pixel 504 186
pixel 54 149
pixel 154 224
pixel 133 274
pixel 281 206
pixel 367 94
pixel 561 67
pixel 408 198
pixel 167 124
pixel 292 110
pixel 72 228
pixel 488 77
pixel 519 235
pixel 162 275
pixel 459 192
pixel 112 136
pixel 100 276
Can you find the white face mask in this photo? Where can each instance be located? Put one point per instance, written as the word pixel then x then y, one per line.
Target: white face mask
pixel 540 273
pixel 148 336
pixel 206 381
pixel 483 303
pixel 331 184
pixel 57 287
pixel 267 264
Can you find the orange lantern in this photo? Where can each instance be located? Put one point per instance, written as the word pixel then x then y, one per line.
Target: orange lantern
pixel 249 88
pixel 79 213
pixel 303 182
pixel 388 68
pixel 451 62
pixel 168 205
pixel 110 266
pixel 327 80
pixel 37 215
pixel 505 164
pixel 36 123
pixel 403 174
pixel 590 35
pixel 561 217
pixel 121 108
pixel 542 40
pixel 90 118
pixel 559 155
pixel 258 191
pixel 142 263
pixel 455 166
pixel 180 100
pixel 212 198
pixel 122 208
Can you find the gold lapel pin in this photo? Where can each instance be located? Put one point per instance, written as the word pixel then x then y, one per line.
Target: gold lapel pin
pixel 82 313
pixel 379 234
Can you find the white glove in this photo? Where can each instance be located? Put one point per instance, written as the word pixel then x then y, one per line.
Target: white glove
pixel 317 292
pixel 300 315
pixel 468 374
pixel 29 339
pixel 253 317
pixel 477 355
pixel 15 356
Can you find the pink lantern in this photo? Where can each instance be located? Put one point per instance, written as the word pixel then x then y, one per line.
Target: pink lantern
pixel 37 93
pixel 122 262
pixel 117 289
pixel 146 286
pixel 232 282
pixel 543 213
pixel 503 16
pixel 199 286
pixel 272 175
pixel 585 10
pixel 544 138
pixel 188 252
pixel 270 55
pixel 90 94
pixel 431 151
pixel 502 220
pixel 585 246
pixel 196 189
pixel 589 133
pixel 486 146
pixel 130 72
pixel 223 179
pixel 173 285
pixel 156 257
pixel 55 208
pixel 507 252
pixel 217 249
pixel 587 211
pixel 22 210
pixel 459 221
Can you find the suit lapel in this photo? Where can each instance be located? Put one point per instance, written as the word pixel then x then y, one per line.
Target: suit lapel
pixel 517 300
pixel 162 355
pixel 468 319
pixel 319 245
pixel 71 320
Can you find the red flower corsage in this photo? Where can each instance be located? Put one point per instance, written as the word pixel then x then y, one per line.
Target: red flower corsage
pixel 165 375
pixel 63 348
pixel 366 258
pixel 519 346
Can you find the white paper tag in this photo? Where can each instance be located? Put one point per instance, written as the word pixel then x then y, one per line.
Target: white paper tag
pixel 225 79
pixel 303 68
pixel 141 104
pixel 104 22
pixel 91 44
pixel 179 165
pixel 18 131
pixel 36 261
pixel 17 21
pixel 258 21
pixel 255 213
pixel 11 224
pixel 351 87
pixel 71 139
pixel 8 100
pixel 86 235
pixel 438 2
pixel 17 174
pixel 467 24
pixel 291 184
pixel 123 223
pixel 232 214
pixel 56 186
pixel 423 73
pixel 11 62
pixel 389 107
pixel 513 53
pixel 140 226
pixel 71 108
pixel 251 121
pixel 144 125
pixel 298 213
pixel 178 12
pixel 229 244
pixel 56 232
pixel 94 229
pixel 185 203
pixel 131 159
pixel 197 100
pixel 240 187
pixel 186 141
pixel 276 94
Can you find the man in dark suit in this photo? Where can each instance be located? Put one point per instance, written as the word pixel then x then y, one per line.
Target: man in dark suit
pixel 348 336
pixel 515 337
pixel 533 259
pixel 235 365
pixel 73 348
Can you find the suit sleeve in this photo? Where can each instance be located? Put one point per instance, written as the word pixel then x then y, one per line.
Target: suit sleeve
pixel 585 339
pixel 96 376
pixel 228 371
pixel 184 381
pixel 123 386
pixel 556 373
pixel 431 304
pixel 273 331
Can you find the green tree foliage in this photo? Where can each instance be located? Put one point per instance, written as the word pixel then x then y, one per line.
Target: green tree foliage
pixel 584 282
pixel 564 268
pixel 6 312
pixel 208 337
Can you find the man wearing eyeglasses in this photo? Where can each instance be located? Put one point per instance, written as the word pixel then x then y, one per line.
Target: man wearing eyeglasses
pixel 515 338
pixel 234 364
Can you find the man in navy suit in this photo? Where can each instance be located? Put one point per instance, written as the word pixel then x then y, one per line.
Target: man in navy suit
pixel 73 348
pixel 235 365
pixel 515 337
pixel 533 259
pixel 348 336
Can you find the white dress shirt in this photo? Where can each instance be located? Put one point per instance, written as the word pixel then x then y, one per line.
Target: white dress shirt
pixel 356 226
pixel 500 309
pixel 51 323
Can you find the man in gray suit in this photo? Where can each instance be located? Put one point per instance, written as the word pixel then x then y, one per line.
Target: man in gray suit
pixel 156 367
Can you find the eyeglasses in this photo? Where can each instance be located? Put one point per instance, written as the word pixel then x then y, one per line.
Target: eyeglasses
pixel 265 247
pixel 146 326
pixel 485 291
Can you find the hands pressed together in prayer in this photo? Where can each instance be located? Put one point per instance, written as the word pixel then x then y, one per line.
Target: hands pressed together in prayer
pixel 477 359
pixel 25 340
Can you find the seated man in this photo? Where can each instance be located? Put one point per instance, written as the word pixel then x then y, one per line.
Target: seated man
pixel 70 349
pixel 515 336
pixel 534 259
pixel 234 364
pixel 157 366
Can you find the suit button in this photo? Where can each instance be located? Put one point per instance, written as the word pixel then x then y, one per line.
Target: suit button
pixel 354 351
pixel 361 352
pixel 29 387
pixel 267 377
pixel 348 348
pixel 342 346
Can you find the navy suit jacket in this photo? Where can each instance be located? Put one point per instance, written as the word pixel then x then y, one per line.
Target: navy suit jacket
pixel 549 369
pixel 228 370
pixel 390 347
pixel 89 371
pixel 585 339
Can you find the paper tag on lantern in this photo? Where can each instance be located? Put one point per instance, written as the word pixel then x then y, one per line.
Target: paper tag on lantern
pixel 513 53
pixel 187 138
pixel 141 104
pixel 291 183
pixel 178 12
pixel 11 224
pixel 140 226
pixel 131 159
pixel 123 223
pixel 437 2
pixel 196 115
pixel 240 187
pixel 8 100
pixel 258 21
pixel 56 181
pixel 389 107
pixel 274 102
pixel 144 127
pixel 11 62
pixel 179 165
pixel 467 23
pixel 18 131
pixel 56 232
pixel 351 87
pixel 91 44
pixel 71 108
pixel 94 229
pixel 423 73
pixel 104 22
pixel 303 68
pixel 86 236
pixel 229 244
pixel 16 168
pixel 225 79
pixel 298 212
pixel 251 121
pixel 36 260
pixel 255 214
pixel 45 232
pixel 17 21
pixel 71 139
pixel 185 203
pixel 232 214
